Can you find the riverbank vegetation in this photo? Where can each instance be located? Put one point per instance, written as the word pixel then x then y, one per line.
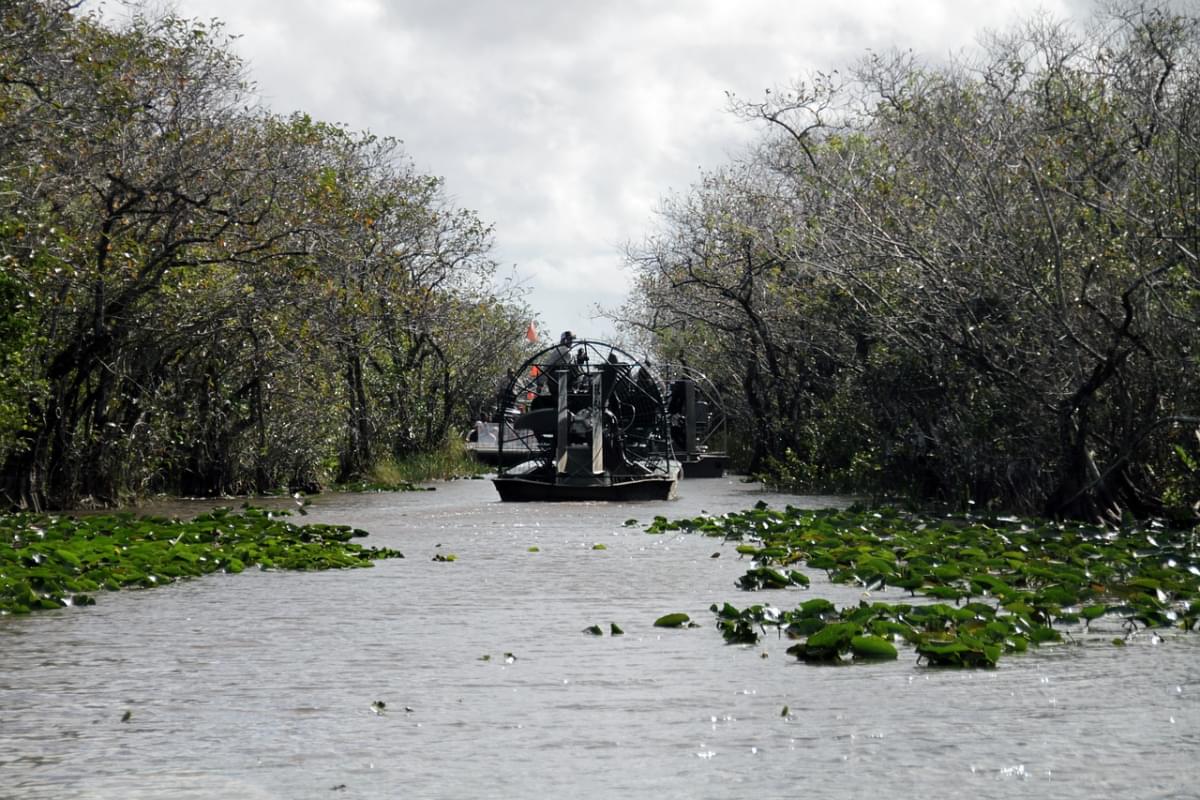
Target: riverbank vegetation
pixel 973 587
pixel 451 461
pixel 201 297
pixel 971 282
pixel 54 561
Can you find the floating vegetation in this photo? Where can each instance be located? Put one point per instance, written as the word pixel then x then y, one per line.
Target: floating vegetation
pixel 52 561
pixel 676 620
pixel 767 578
pixel 981 587
pixel 363 487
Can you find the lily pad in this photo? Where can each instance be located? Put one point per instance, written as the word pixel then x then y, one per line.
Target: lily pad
pixel 872 647
pixel 52 561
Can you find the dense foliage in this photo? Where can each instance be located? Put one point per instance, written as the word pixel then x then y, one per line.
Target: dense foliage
pixel 971 282
pixel 199 296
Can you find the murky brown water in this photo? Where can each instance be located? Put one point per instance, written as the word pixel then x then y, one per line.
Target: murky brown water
pixel 260 685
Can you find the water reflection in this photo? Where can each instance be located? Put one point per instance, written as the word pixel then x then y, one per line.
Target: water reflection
pixel 261 685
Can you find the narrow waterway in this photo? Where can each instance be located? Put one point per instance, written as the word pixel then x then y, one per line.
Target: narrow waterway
pixel 261 685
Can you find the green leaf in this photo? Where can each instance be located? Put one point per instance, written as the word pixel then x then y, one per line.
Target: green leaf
pixel 836 635
pixel 872 647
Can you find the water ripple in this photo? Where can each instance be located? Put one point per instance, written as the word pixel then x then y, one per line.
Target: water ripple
pixel 261 685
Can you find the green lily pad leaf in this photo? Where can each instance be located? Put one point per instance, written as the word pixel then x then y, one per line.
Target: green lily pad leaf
pixel 943 592
pixel 816 607
pixel 599 546
pixel 798 578
pixel 805 626
pixel 961 652
pixel 727 611
pixel 595 630
pixel 1017 644
pixel 615 629
pixel 836 635
pixel 1040 634
pixel 872 647
pixel 676 620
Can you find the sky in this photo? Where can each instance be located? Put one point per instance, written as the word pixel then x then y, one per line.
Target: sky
pixel 565 124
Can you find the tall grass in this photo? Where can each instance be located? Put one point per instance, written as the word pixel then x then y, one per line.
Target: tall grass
pixel 452 460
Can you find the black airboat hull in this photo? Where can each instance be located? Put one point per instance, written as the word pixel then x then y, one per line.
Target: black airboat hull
pixel 523 490
pixel 706 466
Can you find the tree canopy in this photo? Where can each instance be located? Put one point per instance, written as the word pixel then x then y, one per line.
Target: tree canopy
pixel 976 282
pixel 198 295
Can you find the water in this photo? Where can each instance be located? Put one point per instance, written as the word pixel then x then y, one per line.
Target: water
pixel 261 685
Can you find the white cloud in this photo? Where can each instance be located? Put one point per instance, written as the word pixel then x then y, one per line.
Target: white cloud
pixel 564 123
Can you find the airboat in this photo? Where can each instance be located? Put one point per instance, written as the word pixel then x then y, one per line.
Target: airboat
pixel 584 420
pixel 697 421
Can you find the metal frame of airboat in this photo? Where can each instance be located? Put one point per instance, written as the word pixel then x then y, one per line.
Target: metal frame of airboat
pixel 588 422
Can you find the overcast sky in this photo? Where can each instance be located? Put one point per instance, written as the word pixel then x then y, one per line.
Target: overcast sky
pixel 565 123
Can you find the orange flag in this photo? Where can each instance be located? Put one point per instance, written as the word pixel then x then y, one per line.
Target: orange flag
pixel 531 333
